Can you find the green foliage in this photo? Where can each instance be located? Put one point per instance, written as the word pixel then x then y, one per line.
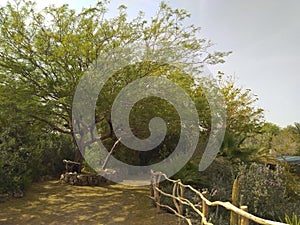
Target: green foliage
pixel 243 117
pixel 28 150
pixel 293 220
pixel 286 142
pixel 26 155
pixel 243 120
pixel 43 55
pixel 189 174
pixel 275 140
pixel 14 172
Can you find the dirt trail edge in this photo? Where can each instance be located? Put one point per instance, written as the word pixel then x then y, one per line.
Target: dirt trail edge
pixel 52 202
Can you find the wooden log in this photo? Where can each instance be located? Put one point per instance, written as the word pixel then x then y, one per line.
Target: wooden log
pixel 175 186
pixel 235 199
pixel 204 208
pixel 244 220
pixel 227 205
pixel 182 197
pixel 151 185
pixel 155 179
pixel 112 150
pixel 157 193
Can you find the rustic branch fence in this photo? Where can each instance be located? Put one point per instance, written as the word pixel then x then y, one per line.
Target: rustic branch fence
pixel 201 208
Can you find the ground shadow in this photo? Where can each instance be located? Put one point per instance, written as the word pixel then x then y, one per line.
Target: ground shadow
pixel 53 202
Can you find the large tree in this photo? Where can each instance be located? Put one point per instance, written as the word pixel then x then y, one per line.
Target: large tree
pixel 43 55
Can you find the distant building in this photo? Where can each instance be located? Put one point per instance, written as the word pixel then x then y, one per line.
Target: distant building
pixel 289 159
pixel 294 161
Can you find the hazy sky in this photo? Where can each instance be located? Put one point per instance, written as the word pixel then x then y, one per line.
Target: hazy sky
pixel 264 36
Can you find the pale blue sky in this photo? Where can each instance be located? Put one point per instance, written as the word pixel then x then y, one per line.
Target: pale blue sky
pixel 264 36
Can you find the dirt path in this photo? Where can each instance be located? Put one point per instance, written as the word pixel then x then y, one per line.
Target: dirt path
pixel 54 203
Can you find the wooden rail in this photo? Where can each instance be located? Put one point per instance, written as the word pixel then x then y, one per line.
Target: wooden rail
pixel 201 208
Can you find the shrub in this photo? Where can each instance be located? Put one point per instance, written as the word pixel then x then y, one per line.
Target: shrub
pixel 23 159
pixel 293 220
pixel 265 191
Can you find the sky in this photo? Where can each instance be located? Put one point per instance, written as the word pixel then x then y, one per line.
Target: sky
pixel 264 36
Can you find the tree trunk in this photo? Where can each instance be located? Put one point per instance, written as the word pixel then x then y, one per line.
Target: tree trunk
pixel 110 153
pixel 78 157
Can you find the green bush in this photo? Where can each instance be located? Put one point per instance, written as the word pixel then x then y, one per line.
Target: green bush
pixel 265 191
pixel 26 156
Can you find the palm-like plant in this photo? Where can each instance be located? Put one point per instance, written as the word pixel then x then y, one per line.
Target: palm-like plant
pixel 293 220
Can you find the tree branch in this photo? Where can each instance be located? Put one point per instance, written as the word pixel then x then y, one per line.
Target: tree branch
pixel 53 126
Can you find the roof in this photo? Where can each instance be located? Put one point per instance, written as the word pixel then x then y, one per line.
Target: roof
pixel 290 159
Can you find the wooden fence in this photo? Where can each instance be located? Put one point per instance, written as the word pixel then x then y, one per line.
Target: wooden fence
pixel 201 208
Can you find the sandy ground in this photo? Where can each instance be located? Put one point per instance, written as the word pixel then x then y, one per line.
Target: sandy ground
pixel 52 202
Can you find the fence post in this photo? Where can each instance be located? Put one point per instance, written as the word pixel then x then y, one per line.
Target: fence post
pixel 157 194
pixel 181 196
pixel 152 189
pixel 235 202
pixel 204 208
pixel 244 221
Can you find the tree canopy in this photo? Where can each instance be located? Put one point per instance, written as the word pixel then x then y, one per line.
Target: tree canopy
pixel 44 54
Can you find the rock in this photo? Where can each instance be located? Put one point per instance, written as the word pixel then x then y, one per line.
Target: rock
pixel 18 194
pixel 102 178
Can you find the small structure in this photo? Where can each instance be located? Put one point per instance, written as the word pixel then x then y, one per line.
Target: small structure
pixel 72 167
pixel 74 176
pixel 84 179
pixel 290 159
pixel 293 161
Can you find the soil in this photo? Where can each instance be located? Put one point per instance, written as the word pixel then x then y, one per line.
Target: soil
pixel 53 202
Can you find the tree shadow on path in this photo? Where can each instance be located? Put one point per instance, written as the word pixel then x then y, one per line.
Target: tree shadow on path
pixel 52 202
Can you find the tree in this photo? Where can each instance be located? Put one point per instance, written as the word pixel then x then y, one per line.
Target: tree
pixel 264 138
pixel 28 149
pixel 243 121
pixel 43 55
pixel 286 142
